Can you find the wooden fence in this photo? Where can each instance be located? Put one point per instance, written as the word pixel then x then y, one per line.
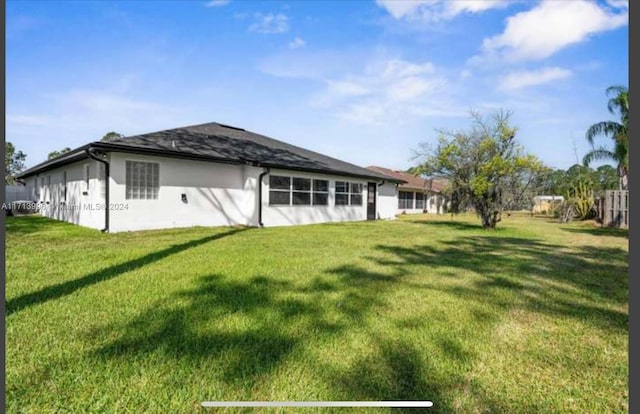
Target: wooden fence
pixel 612 210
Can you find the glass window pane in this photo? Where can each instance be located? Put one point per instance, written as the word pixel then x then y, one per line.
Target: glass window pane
pixel 405 200
pixel 356 200
pixel 321 185
pixel 342 187
pixel 301 184
pixel 156 179
pixel 356 188
pixel 141 180
pixel 320 199
pixel 342 199
pixel 134 181
pixel 277 182
pixel 419 200
pixel 279 198
pixel 301 199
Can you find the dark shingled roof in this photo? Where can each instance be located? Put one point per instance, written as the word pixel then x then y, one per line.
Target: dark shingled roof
pixel 411 181
pixel 223 143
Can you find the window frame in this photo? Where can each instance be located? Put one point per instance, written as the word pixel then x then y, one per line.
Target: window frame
pixel 350 193
pixel 295 191
pixel 315 192
pixel 292 191
pixel 424 201
pixel 279 190
pixel 146 184
pixel 356 194
pixel 411 199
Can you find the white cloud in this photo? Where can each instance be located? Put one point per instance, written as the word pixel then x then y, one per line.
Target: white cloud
pixel 401 8
pixel 270 23
pixel 317 65
pixel 551 26
pixel 435 10
pixel 346 88
pixel 619 4
pixel 30 120
pixel 525 78
pixel 217 3
pixel 81 115
pixel 297 43
pixel 396 68
pixel 387 89
pixel 406 89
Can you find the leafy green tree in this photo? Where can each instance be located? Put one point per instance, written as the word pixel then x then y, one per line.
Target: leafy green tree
pixel 478 163
pixel 522 186
pixel 14 163
pixel 617 131
pixel 553 182
pixel 606 178
pixel 112 135
pixel 54 154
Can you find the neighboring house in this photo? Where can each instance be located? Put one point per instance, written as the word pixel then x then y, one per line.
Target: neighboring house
pixel 416 195
pixel 544 204
pixel 205 175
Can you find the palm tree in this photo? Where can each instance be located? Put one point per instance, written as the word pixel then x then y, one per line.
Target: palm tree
pixel 618 131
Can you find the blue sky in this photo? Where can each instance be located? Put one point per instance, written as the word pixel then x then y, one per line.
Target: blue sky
pixel 363 81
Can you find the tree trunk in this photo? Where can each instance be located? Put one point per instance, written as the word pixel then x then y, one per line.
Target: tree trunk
pixel 489 217
pixel 623 178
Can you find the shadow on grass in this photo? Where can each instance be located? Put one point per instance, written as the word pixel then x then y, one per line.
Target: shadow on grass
pixel 63 289
pixel 398 371
pixel 197 331
pixel 194 325
pixel 21 225
pixel 394 372
pixel 452 224
pixel 193 328
pixel 600 231
pixel 244 329
pixel 539 276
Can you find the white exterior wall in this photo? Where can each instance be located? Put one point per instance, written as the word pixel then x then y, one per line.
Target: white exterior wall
pixel 387 202
pixel 217 195
pixel 434 204
pixel 83 205
pixel 290 215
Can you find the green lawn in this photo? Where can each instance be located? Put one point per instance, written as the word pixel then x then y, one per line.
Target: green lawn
pixel 531 317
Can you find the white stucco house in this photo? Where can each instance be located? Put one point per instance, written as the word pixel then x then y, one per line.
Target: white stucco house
pixel 205 175
pixel 416 194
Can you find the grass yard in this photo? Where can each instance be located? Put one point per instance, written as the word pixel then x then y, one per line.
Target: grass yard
pixel 532 317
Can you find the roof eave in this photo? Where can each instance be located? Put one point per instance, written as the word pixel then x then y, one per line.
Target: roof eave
pixel 330 172
pixel 66 158
pixel 109 146
pixel 80 153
